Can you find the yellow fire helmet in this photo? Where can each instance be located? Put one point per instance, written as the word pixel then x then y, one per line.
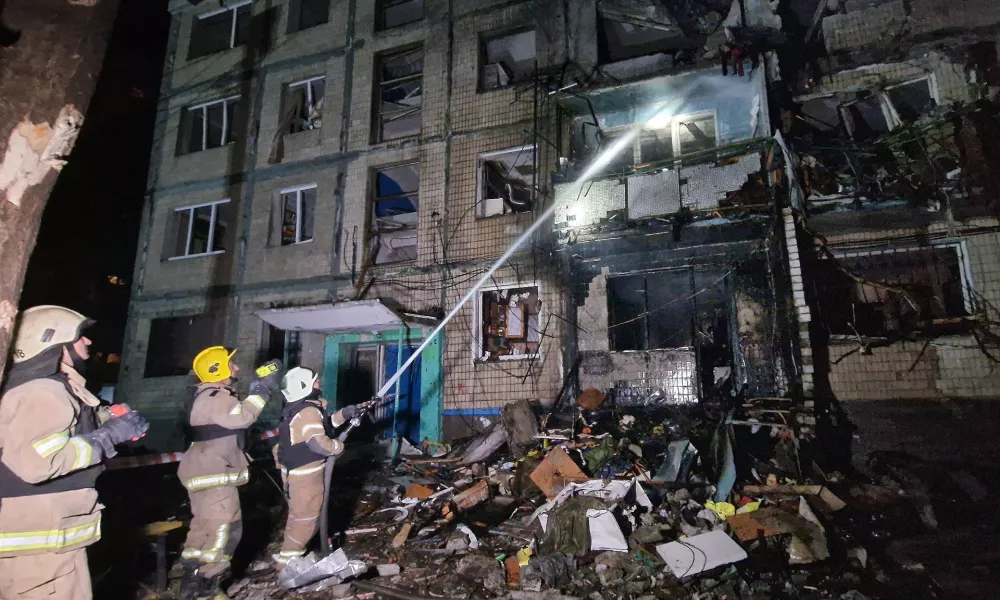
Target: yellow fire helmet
pixel 212 364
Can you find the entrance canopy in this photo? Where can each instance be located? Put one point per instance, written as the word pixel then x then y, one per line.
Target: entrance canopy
pixel 340 317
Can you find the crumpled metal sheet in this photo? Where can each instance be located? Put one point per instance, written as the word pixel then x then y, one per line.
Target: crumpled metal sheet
pixel 308 569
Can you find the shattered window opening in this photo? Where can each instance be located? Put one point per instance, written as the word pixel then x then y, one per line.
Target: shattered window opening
pixel 667 310
pixel 510 326
pixel 934 278
pixel 220 30
pixel 394 213
pixel 200 230
pixel 398 107
pixel 505 182
pixel 909 101
pixel 394 13
pixel 174 341
pixel 694 133
pixel 685 134
pixel 304 14
pixel 296 214
pixel 506 60
pixel 865 118
pixel 209 125
pixel 618 40
pixel 304 100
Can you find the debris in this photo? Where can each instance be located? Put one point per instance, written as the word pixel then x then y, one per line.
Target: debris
pixel 700 553
pixel 605 534
pixel 308 569
pixel 484 571
pixel 477 494
pixel 387 570
pixel 546 573
pixel 486 445
pixel 513 567
pixel 590 399
pixel 557 470
pixel 404 533
pixel 521 426
pixel 766 522
pixel 418 491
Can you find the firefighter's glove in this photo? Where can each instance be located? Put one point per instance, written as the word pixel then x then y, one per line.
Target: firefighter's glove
pixel 267 379
pixel 116 431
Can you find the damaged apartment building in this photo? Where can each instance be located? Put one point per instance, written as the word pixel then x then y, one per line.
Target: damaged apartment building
pixel 331 176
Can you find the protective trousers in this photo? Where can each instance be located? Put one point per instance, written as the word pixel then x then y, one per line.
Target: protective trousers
pixel 216 527
pixel 305 501
pixel 63 576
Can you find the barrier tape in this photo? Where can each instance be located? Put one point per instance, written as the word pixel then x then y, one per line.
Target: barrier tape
pixel 129 462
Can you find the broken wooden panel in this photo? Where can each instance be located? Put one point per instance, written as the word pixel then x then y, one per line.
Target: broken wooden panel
pixel 556 472
pixel 477 494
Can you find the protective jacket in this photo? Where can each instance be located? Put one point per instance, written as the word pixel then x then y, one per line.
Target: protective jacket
pixel 304 439
pixel 218 420
pixel 47 473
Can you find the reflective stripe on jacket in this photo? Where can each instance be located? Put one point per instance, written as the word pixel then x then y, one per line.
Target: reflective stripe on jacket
pixel 218 461
pixel 39 422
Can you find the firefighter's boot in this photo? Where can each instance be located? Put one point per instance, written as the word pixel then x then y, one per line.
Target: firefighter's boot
pixel 190 586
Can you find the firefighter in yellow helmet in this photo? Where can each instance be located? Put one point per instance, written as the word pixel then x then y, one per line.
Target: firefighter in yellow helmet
pixel 214 466
pixel 53 438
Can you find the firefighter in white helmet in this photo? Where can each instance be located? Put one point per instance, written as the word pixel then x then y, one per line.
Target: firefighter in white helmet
pixel 304 443
pixel 214 466
pixel 53 438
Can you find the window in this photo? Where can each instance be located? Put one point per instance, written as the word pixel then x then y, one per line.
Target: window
pixel 618 40
pixel 296 213
pixel 509 323
pixel 209 125
pixel 505 181
pixel 666 309
pixel 394 214
pixel 400 95
pixel 506 60
pixel 935 279
pixel 686 134
pixel 869 115
pixel 304 104
pixel 393 13
pixel 909 101
pixel 200 230
pixel 303 14
pixel 864 117
pixel 220 30
pixel 175 341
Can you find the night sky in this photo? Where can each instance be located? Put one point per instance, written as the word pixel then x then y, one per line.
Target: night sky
pixel 90 227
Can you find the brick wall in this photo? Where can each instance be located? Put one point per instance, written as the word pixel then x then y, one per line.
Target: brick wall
pixel 951 366
pixel 949 77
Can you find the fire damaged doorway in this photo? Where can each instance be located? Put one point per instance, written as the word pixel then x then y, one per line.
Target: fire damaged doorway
pixel 687 310
pixel 368 368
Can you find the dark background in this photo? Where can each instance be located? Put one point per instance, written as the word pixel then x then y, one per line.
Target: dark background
pixel 86 247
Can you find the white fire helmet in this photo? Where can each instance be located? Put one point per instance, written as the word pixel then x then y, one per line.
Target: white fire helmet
pixel 298 383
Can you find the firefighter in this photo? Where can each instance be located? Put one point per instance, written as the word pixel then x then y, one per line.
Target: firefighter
pixel 214 466
pixel 53 438
pixel 304 443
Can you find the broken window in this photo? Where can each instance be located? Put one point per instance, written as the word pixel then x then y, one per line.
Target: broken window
pixel 303 14
pixel 618 40
pixel 911 100
pixel 509 323
pixel 296 213
pixel 200 230
pixel 400 95
pixel 175 341
pixel 899 289
pixel 507 60
pixel 393 13
pixel 694 133
pixel 304 104
pixel 394 213
pixel 220 30
pixel 209 125
pixel 505 181
pixel 864 117
pixel 656 145
pixel 667 309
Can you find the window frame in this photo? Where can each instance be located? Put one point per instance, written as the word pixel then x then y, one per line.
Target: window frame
pixel 232 9
pixel 492 36
pixel 380 9
pixel 297 190
pixel 960 248
pixel 213 221
pixel 892 118
pixel 377 115
pixel 297 27
pixel 374 198
pixel 478 341
pixel 481 159
pixel 675 143
pixel 226 123
pixel 307 83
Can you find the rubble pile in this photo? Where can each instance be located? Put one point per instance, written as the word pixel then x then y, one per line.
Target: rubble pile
pixel 606 504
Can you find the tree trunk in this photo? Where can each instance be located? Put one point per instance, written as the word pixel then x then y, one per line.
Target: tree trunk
pixel 50 58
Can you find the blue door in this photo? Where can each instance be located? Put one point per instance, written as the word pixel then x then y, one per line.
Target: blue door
pixel 408 419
